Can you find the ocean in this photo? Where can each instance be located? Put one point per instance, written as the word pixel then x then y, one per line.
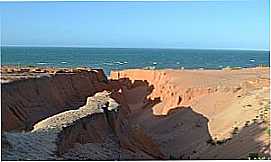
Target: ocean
pixel 126 58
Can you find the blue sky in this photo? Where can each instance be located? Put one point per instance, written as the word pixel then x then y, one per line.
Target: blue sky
pixel 209 24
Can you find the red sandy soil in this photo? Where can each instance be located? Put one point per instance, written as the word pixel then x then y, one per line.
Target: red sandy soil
pixel 226 98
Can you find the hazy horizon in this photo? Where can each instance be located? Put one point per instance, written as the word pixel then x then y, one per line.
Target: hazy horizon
pixel 180 48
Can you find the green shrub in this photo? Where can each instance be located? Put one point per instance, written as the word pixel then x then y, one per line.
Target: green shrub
pixel 253 155
pixel 235 130
pixel 171 157
pixel 263 65
pixel 268 131
pixel 220 142
pixel 211 141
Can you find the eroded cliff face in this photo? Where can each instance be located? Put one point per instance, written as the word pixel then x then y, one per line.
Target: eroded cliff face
pixel 50 109
pixel 53 136
pixel 184 88
pixel 153 114
pixel 201 113
pixel 26 101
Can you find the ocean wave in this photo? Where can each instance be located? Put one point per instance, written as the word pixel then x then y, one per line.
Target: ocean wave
pixel 42 63
pixel 252 60
pixel 149 68
pixel 106 63
pixel 63 62
pixel 120 63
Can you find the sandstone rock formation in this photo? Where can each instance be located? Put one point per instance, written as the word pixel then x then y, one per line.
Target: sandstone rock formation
pixel 56 134
pixel 24 102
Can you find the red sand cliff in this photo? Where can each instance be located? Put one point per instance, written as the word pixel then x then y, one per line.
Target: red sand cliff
pixel 26 101
pixel 183 114
pixel 205 104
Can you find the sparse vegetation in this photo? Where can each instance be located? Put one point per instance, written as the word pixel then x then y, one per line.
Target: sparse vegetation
pixel 268 131
pixel 253 155
pixel 181 157
pixel 31 66
pixel 218 142
pixel 236 68
pixel 263 65
pixel 211 141
pixel 235 130
pixel 171 157
pixel 246 123
pixel 254 120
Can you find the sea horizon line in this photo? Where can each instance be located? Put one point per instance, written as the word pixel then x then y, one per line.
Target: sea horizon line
pixel 108 47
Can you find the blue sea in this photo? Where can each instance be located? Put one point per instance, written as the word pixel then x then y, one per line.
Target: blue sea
pixel 125 58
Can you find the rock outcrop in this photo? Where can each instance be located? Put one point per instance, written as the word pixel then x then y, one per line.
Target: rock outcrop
pixel 27 101
pixel 55 135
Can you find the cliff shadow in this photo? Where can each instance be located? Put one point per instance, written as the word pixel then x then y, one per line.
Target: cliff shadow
pixel 250 142
pixel 182 133
pixel 163 136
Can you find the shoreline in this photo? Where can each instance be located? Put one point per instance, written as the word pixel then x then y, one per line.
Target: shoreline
pixel 12 72
pixel 70 68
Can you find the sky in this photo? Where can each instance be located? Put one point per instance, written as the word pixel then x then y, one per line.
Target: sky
pixel 242 24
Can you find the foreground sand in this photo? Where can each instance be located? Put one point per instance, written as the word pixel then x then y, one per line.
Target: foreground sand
pixel 164 114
